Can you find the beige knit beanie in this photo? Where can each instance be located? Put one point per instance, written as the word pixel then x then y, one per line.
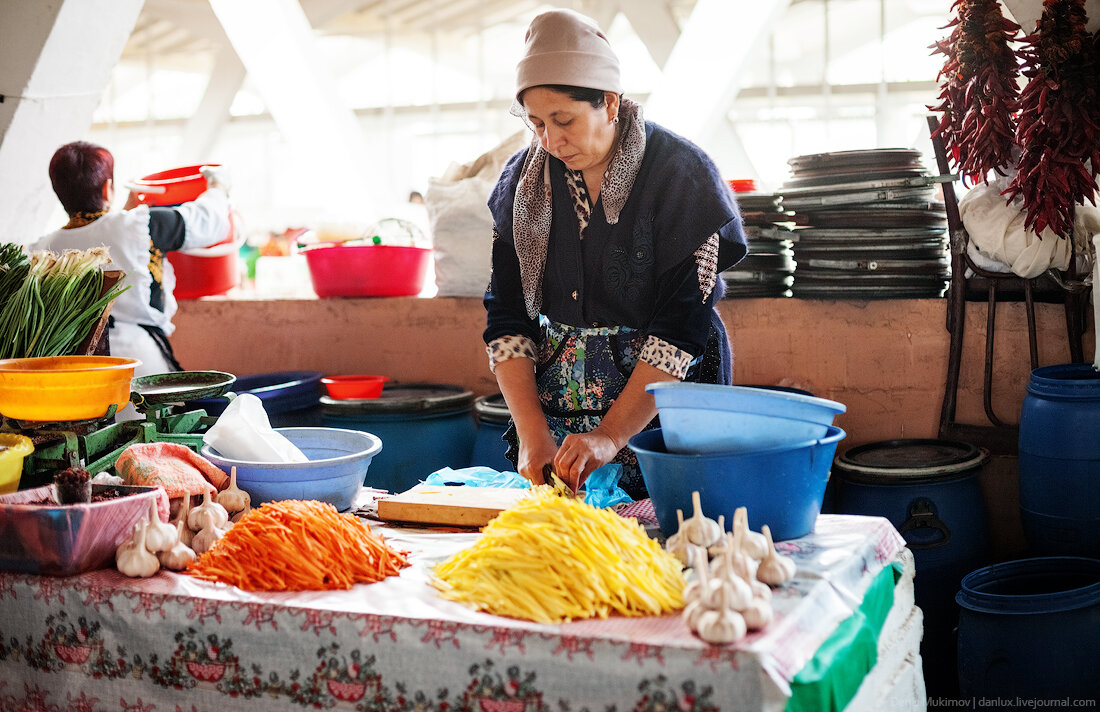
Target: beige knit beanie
pixel 565 47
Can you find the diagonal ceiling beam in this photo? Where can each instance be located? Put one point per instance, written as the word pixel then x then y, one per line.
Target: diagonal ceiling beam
pixel 275 42
pixel 692 102
pixel 655 26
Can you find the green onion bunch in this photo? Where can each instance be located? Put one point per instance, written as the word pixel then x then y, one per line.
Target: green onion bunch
pixel 57 305
pixel 14 265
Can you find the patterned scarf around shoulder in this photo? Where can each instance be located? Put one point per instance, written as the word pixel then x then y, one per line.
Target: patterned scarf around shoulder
pixel 532 210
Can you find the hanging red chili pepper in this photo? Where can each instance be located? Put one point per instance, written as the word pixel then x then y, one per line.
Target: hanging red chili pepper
pixel 1057 124
pixel 979 90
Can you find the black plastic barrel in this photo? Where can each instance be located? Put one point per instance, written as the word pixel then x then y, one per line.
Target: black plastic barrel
pixel 424 427
pixel 929 491
pixel 1059 460
pixel 492 421
pixel 292 399
pixel 1029 633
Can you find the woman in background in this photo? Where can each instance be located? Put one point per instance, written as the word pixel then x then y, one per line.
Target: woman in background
pixel 138 237
pixel 609 236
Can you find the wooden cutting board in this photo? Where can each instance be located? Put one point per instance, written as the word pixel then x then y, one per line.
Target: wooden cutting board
pixel 459 506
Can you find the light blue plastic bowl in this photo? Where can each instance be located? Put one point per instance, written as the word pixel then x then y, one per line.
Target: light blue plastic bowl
pixel 708 418
pixel 338 462
pixel 781 487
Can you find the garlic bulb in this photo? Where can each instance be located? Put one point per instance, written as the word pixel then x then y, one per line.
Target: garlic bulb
pixel 775 569
pixel 698 588
pixel 159 536
pixel 692 611
pixel 722 624
pixel 760 590
pixel 185 532
pixel 197 517
pixel 752 543
pixel 133 559
pixel 206 538
pixel 678 544
pixel 731 589
pixel 734 561
pixel 232 497
pixel 758 614
pixel 700 530
pixel 180 555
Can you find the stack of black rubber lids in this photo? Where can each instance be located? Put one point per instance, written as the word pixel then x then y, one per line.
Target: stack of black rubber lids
pixel 873 227
pixel 768 268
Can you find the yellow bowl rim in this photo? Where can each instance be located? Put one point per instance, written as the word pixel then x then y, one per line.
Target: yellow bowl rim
pixel 120 363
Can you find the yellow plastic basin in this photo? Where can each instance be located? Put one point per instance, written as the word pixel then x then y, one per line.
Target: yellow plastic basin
pixel 64 387
pixel 13 448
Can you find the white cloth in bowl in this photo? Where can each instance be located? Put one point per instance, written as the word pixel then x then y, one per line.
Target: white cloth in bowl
pixel 243 432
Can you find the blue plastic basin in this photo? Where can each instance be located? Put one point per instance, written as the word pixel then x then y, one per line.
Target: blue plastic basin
pixel 338 462
pixel 290 398
pixel 709 418
pixel 781 487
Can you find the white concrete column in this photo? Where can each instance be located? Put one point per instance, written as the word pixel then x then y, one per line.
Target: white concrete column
pixel 57 57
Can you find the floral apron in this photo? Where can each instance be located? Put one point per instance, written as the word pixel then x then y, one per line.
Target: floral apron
pixel 580 373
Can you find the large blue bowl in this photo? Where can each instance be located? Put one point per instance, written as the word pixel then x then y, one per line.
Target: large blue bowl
pixel 781 487
pixel 338 462
pixel 708 418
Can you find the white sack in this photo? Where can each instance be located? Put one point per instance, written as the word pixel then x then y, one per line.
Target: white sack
pixel 461 225
pixel 998 241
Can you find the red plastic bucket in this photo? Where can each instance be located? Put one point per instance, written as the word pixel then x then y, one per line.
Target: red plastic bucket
pixel 199 273
pixel 368 270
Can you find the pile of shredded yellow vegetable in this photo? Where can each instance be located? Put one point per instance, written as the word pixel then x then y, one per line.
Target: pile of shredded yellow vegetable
pixel 551 559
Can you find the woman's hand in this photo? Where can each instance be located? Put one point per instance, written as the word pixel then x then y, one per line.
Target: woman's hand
pixel 535 453
pixel 581 454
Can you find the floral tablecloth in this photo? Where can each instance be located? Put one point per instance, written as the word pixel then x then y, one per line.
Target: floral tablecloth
pixel 101 641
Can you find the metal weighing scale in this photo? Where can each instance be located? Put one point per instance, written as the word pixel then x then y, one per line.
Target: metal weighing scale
pixel 98 442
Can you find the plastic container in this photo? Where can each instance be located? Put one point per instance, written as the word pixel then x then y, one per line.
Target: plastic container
pixel 368 270
pixel 203 272
pixel 492 421
pixel 171 187
pixel 1028 631
pixel 65 540
pixel 348 387
pixel 929 490
pixel 781 487
pixel 63 388
pixel 743 185
pixel 424 427
pixel 290 398
pixel 338 463
pixel 709 418
pixel 13 448
pixel 1059 460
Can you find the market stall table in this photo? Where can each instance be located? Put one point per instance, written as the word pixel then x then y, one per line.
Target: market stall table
pixel 100 641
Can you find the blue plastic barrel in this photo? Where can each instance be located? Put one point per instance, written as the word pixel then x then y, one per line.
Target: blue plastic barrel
pixel 1029 632
pixel 292 399
pixel 492 421
pixel 424 427
pixel 1059 460
pixel 929 490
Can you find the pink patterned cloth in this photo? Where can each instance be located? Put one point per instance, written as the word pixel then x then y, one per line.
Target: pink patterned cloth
pixel 173 466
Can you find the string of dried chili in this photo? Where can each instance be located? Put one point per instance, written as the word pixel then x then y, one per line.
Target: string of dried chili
pixel 1057 123
pixel 979 91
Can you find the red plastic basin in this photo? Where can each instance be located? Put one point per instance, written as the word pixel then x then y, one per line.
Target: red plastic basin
pixel 171 187
pixel 354 387
pixel 368 270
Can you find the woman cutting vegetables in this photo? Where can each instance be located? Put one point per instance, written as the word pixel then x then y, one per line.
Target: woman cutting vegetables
pixel 138 237
pixel 609 236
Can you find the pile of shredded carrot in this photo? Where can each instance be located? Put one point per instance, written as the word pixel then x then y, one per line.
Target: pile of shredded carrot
pixel 298 545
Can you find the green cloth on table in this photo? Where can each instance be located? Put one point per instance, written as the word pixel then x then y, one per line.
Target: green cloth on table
pixel 830 679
